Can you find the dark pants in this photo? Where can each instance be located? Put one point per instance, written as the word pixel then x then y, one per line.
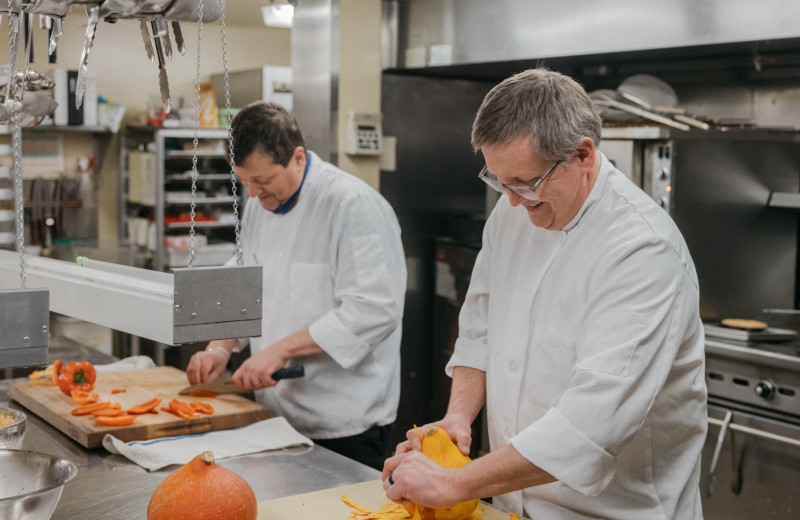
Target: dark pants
pixel 371 447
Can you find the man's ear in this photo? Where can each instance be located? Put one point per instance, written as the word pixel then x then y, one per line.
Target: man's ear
pixel 586 153
pixel 299 154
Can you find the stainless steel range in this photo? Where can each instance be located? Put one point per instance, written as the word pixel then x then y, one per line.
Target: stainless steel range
pixel 751 460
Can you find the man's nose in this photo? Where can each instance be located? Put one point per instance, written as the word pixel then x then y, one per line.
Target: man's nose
pixel 514 199
pixel 253 191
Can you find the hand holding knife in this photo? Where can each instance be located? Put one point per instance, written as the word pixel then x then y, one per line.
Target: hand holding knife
pixel 225 385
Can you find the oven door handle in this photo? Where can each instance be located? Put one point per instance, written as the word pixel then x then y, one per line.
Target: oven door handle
pixel 750 431
pixel 724 425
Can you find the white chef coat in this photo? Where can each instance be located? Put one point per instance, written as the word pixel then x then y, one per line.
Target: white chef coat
pixel 334 264
pixel 593 350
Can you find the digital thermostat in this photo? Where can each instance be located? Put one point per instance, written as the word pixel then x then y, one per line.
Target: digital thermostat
pixel 364 134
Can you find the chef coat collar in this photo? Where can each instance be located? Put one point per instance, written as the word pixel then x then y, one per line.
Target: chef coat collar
pixel 292 201
pixel 594 194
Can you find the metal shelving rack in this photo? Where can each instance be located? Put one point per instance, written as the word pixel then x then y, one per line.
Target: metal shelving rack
pixel 213 169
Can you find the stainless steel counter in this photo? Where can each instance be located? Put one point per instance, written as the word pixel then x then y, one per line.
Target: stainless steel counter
pixel 111 486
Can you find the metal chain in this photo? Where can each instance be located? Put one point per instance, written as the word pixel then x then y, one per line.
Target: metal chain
pixel 16 139
pixel 239 259
pixel 196 131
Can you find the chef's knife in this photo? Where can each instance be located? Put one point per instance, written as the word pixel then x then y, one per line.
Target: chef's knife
pixel 225 385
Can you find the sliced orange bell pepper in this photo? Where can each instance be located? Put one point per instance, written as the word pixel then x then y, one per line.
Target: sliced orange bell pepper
pixel 120 420
pixel 118 391
pixel 203 393
pixel 107 412
pixel 202 407
pixel 182 410
pixel 83 397
pixel 89 408
pixel 145 407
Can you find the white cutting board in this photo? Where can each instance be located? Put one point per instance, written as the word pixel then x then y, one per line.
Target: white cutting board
pixel 327 504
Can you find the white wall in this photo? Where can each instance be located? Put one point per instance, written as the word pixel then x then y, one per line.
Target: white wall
pixel 125 75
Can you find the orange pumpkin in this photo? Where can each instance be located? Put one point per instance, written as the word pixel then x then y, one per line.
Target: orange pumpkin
pixel 202 490
pixel 437 446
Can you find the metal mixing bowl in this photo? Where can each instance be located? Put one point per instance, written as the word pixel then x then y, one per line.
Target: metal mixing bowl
pixel 11 435
pixel 31 483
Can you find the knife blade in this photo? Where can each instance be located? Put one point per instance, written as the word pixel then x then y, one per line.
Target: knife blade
pixel 225 385
pixel 88 40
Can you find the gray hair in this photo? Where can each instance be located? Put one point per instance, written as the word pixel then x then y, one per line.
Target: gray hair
pixel 552 108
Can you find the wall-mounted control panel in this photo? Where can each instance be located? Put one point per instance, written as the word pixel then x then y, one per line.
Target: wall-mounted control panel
pixel 364 134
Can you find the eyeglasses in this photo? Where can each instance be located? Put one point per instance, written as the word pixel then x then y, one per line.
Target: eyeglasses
pixel 526 192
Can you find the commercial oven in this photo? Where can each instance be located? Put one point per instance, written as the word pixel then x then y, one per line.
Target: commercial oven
pixel 721 189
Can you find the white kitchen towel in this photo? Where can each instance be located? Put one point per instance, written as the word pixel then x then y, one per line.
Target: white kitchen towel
pixel 125 364
pixel 269 434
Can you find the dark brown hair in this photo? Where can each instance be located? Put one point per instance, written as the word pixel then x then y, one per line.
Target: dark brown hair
pixel 267 128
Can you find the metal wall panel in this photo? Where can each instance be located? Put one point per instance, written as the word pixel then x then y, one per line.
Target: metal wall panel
pixel 315 73
pixel 745 252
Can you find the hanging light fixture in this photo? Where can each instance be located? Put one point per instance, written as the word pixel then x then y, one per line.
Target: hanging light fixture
pixel 278 14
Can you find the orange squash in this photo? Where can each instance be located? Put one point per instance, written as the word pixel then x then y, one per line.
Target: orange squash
pixel 202 490
pixel 437 446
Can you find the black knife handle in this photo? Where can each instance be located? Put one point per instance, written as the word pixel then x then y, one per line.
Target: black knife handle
pixel 289 372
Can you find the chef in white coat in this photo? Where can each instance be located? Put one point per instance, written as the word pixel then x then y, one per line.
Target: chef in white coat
pixel 334 287
pixel 580 331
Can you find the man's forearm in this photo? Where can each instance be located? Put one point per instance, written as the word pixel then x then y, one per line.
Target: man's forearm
pixel 467 394
pixel 225 344
pixel 502 471
pixel 298 344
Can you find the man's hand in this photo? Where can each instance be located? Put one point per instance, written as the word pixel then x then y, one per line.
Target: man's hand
pixel 459 432
pixel 208 364
pixel 416 478
pixel 256 372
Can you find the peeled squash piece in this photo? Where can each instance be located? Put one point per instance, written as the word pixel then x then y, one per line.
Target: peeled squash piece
pixel 437 446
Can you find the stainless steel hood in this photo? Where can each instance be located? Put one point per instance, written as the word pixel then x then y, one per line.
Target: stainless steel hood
pixel 477 31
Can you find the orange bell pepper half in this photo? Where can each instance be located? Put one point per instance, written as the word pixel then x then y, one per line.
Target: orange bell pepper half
pixel 48 375
pixel 119 420
pixel 83 397
pixel 78 374
pixel 144 407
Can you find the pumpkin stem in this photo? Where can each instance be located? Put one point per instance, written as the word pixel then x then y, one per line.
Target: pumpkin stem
pixel 430 429
pixel 207 457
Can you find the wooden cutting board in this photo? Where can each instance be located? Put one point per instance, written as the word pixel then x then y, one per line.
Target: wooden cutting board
pixel 53 406
pixel 328 504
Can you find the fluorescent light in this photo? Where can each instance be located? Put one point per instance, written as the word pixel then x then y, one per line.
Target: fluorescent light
pixel 278 15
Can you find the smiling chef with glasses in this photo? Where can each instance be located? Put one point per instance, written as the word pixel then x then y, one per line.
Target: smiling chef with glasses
pixel 580 333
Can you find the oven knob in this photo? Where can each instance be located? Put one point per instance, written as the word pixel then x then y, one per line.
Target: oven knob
pixel 765 389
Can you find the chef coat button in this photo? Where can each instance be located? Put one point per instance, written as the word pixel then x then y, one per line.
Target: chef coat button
pixel 507 431
pixel 513 365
